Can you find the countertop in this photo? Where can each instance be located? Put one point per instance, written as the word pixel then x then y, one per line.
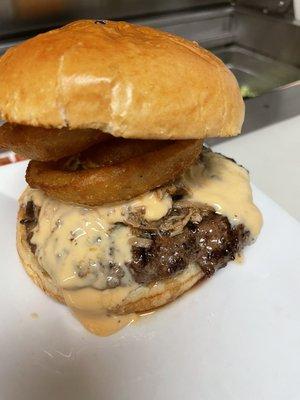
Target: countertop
pixel 272 155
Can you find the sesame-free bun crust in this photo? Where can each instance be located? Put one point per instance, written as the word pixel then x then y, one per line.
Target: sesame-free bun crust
pixel 127 80
pixel 141 300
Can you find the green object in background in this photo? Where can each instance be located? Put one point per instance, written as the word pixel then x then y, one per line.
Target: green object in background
pixel 247 91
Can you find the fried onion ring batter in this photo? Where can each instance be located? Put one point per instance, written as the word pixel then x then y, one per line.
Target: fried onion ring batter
pixel 113 152
pixel 43 144
pixel 146 167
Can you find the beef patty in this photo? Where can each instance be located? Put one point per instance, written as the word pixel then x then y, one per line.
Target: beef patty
pixel 187 234
pixel 205 238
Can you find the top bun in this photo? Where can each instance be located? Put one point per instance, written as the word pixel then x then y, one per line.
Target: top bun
pixel 127 80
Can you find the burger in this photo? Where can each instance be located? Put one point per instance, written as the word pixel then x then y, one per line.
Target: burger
pixel 125 209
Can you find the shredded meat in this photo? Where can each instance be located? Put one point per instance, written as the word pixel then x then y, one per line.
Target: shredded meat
pixel 207 239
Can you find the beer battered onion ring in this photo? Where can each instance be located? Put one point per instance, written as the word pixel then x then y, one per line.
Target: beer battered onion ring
pixel 146 170
pixel 113 152
pixel 44 144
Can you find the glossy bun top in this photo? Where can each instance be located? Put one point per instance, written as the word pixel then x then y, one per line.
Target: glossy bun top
pixel 127 80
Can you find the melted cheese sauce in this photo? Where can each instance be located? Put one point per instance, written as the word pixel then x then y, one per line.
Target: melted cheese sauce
pixel 89 307
pixel 77 245
pixel 224 185
pixel 102 324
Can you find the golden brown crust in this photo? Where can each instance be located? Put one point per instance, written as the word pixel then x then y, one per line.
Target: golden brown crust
pixel 144 299
pixel 43 144
pixel 127 80
pixel 117 182
pixel 172 289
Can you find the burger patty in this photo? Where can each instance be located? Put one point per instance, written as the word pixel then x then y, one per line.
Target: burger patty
pixel 30 221
pixel 187 234
pixel 209 241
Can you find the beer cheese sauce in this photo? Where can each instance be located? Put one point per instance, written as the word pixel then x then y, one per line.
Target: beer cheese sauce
pixel 76 244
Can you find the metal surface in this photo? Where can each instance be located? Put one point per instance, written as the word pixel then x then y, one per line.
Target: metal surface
pixel 214 28
pixel 269 108
pixel 18 16
pixel 210 27
pixel 272 107
pixel 268 6
pixel 274 37
pixel 255 73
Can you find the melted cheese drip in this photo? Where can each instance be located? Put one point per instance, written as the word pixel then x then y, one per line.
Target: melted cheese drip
pixel 102 324
pixel 224 185
pixel 71 239
pixel 89 307
pixel 70 236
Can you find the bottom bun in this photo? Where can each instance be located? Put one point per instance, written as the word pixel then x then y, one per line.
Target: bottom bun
pixel 139 298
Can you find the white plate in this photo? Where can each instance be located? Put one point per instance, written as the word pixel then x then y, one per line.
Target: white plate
pixel 236 336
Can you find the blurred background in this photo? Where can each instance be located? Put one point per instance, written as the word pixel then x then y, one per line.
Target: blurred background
pixel 259 40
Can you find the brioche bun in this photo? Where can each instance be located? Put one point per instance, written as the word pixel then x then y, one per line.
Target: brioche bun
pixel 127 80
pixel 138 300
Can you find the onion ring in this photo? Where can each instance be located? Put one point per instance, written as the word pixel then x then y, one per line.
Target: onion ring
pixel 113 152
pixel 44 144
pixel 119 182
